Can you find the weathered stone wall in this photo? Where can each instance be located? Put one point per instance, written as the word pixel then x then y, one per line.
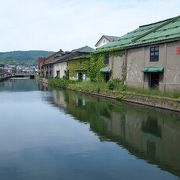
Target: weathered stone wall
pixel 173 67
pixel 61 67
pixel 154 101
pixel 135 65
pixel 160 62
pixel 116 63
pixel 147 100
pixel 138 58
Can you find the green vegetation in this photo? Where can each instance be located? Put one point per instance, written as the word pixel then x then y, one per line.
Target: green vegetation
pixel 89 86
pixel 154 92
pixel 114 88
pixel 102 88
pixel 60 83
pixel 22 57
pixel 116 84
pixel 80 64
pixel 96 63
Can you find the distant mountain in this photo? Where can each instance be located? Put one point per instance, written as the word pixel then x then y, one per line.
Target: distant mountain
pixel 23 57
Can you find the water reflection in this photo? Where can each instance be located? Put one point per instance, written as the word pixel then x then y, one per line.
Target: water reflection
pixel 65 135
pixel 19 85
pixel 148 134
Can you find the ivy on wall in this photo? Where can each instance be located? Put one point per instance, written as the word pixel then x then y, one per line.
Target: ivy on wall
pixel 79 63
pixel 91 64
pixel 97 62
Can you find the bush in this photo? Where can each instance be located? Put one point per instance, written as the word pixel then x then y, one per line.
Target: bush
pixel 111 85
pixel 116 84
pixel 60 83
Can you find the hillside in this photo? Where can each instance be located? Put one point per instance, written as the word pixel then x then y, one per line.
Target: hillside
pixel 22 57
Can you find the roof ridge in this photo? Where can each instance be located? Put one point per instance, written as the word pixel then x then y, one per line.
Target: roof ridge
pixel 155 28
pixel 110 36
pixel 86 46
pixel 165 20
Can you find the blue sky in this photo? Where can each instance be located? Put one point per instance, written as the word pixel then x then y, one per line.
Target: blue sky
pixel 69 24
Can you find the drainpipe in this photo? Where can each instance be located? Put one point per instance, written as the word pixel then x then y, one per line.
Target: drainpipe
pixel 165 71
pixel 111 60
pixel 125 67
pixel 144 66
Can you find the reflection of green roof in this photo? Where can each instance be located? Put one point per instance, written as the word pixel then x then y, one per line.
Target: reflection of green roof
pixel 156 32
pixel 105 70
pixel 153 69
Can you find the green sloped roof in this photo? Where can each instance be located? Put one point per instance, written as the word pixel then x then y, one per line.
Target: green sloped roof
pixel 163 30
pixel 166 32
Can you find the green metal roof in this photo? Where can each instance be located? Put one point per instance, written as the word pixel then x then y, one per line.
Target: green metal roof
pixel 105 70
pixel 170 30
pixel 153 69
pixel 159 31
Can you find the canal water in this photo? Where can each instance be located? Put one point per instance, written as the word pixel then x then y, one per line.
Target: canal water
pixel 55 134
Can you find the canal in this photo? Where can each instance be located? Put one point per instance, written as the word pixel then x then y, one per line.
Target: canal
pixel 54 134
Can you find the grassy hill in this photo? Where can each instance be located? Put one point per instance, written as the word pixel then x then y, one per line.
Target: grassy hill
pixel 22 57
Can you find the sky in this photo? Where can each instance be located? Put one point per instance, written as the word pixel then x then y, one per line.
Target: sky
pixel 69 24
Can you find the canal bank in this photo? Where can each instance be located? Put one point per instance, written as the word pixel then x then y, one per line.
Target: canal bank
pixel 167 103
pixel 146 100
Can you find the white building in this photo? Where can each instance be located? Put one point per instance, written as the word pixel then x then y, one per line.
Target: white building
pixel 105 39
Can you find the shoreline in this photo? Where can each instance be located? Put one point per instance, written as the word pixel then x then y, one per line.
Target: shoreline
pixel 159 102
pixel 142 100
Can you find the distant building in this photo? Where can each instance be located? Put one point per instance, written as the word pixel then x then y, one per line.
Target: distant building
pixel 78 65
pixel 45 60
pixel 70 65
pixel 1 70
pixel 105 39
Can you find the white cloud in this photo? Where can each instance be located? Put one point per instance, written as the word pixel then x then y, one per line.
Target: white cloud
pixel 50 25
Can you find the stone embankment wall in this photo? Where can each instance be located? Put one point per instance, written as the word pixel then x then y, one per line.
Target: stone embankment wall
pixel 154 101
pixel 146 100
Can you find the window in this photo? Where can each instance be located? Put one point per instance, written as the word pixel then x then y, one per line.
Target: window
pixel 66 74
pixel 154 53
pixel 106 60
pixel 84 77
pixel 57 74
